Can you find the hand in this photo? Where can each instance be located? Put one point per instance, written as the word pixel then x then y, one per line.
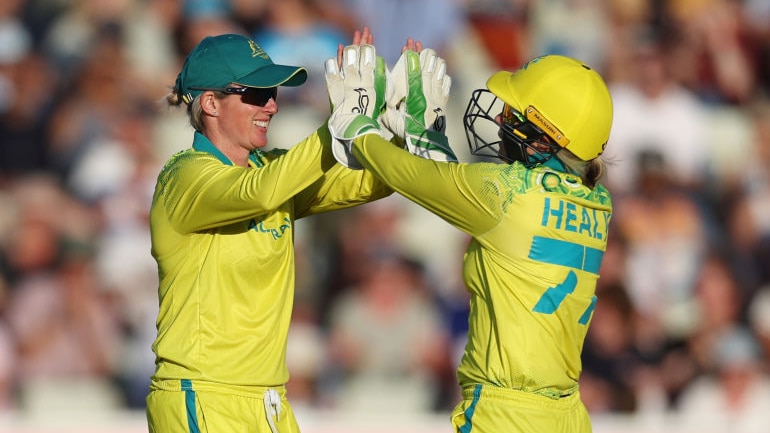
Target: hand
pixel 356 83
pixel 417 94
pixel 334 86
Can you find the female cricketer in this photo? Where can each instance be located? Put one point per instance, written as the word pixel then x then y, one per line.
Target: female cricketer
pixel 538 218
pixel 222 224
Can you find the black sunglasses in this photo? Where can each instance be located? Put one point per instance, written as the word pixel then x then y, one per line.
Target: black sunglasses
pixel 258 96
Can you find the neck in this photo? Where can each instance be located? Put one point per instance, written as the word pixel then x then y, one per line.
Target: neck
pixel 238 155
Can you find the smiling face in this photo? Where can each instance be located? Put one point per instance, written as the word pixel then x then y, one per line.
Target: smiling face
pixel 245 123
pixel 237 123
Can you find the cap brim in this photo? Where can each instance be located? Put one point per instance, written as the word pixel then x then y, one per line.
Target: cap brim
pixel 275 75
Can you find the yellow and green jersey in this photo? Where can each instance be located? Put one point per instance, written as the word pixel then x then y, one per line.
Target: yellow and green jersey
pixel 222 236
pixel 538 237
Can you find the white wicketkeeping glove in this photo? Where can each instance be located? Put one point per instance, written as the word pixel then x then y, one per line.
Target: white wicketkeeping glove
pixel 416 99
pixel 357 95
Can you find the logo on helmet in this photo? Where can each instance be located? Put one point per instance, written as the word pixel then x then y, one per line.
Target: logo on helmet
pixel 538 119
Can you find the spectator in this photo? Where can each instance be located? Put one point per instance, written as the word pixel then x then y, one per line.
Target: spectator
pixel 733 395
pixel 433 22
pixel 746 204
pixel 386 334
pixel 27 85
pixel 653 112
pixel 665 236
pixel 612 367
pixel 65 328
pixel 8 356
pixel 713 55
pixel 294 30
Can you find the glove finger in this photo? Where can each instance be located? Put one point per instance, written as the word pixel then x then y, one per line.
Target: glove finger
pixel 380 83
pixel 334 83
pixel 440 69
pixel 350 59
pixel 415 98
pixel 441 82
pixel 367 63
pixel 412 62
pixel 428 59
pixel 381 71
pixel 332 74
pixel 413 74
pixel 368 57
pixel 330 67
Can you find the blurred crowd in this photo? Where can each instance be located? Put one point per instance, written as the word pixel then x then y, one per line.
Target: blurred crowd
pixel 683 319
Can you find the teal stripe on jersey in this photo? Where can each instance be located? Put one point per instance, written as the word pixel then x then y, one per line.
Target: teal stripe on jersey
pixel 553 297
pixel 468 426
pixel 565 253
pixel 192 417
pixel 587 313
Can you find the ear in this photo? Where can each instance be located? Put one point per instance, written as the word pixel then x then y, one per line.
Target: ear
pixel 210 103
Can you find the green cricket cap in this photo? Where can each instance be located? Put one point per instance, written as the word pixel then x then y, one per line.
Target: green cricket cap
pixel 218 61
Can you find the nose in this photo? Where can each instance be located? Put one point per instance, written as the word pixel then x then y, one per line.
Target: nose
pixel 271 106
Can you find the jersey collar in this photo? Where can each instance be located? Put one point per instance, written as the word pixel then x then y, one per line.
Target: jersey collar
pixel 555 163
pixel 202 144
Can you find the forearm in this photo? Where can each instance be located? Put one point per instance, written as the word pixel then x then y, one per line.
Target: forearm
pixel 450 190
pixel 396 167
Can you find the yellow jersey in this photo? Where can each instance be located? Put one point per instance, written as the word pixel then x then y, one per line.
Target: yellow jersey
pixel 223 238
pixel 538 238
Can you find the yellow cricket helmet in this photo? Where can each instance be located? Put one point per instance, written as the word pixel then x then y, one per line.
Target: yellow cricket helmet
pixel 552 95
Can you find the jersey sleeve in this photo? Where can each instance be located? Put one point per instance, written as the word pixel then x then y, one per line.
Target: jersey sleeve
pixel 200 192
pixel 455 192
pixel 339 188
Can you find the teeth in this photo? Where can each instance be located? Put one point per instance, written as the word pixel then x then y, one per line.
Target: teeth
pixel 261 123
